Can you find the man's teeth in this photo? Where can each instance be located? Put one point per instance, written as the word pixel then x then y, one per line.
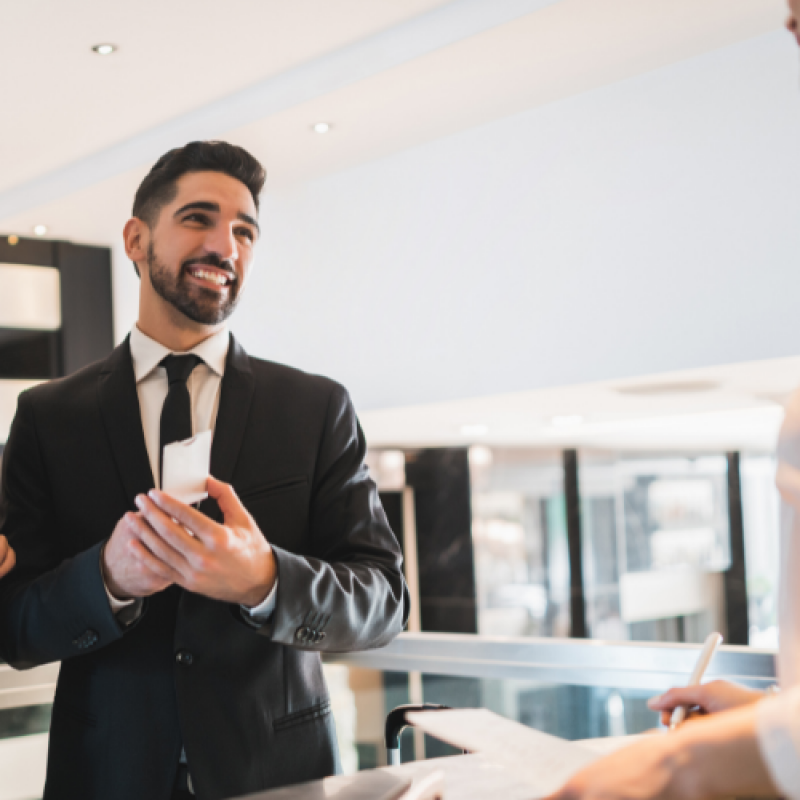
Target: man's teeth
pixel 214 277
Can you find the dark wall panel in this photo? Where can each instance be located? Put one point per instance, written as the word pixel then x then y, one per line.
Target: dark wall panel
pixel 735 578
pixel 572 496
pixel 29 355
pixel 392 502
pixel 39 252
pixel 86 306
pixel 440 479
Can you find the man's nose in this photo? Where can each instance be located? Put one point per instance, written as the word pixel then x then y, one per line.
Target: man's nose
pixel 222 241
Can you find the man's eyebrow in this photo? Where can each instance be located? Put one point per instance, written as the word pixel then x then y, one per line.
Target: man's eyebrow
pixel 249 220
pixel 205 205
pixel 201 205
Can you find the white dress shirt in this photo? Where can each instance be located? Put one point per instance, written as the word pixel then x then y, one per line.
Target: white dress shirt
pixel 779 716
pixel 204 387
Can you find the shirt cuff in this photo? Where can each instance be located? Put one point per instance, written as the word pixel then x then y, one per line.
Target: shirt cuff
pixel 778 726
pixel 264 610
pixel 117 605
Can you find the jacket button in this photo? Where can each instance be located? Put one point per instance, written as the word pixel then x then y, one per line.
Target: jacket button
pixel 318 636
pixel 184 657
pixel 87 639
pixel 302 634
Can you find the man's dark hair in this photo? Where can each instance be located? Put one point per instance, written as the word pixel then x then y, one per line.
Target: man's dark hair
pixel 160 185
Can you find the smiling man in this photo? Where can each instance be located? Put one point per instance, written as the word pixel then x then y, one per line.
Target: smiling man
pixel 190 638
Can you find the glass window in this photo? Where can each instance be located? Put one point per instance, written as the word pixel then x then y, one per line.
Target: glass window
pixel 761 514
pixel 571 712
pixel 520 542
pixel 656 541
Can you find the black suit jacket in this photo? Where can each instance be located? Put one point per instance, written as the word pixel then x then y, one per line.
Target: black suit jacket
pixel 249 705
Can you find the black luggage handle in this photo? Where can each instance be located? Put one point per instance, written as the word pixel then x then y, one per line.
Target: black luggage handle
pixel 396 722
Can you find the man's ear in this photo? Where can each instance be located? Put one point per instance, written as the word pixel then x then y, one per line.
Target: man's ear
pixel 136 235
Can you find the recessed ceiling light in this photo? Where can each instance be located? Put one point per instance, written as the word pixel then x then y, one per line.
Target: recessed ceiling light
pixel 104 49
pixel 480 456
pixel 567 421
pixel 474 430
pixel 322 127
pixel 40 230
pixel 392 459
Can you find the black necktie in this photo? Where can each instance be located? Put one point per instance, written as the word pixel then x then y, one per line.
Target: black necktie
pixel 176 415
pixel 176 425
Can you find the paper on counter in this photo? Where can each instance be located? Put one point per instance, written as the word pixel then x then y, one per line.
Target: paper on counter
pixel 542 761
pixel 185 469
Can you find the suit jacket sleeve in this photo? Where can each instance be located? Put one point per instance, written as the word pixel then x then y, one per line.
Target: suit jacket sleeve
pixel 351 587
pixel 51 607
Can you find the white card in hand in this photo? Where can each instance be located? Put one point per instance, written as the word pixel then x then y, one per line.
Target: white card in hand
pixel 185 468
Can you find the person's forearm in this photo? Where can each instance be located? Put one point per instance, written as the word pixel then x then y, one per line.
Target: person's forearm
pixel 60 613
pixel 357 606
pixel 723 757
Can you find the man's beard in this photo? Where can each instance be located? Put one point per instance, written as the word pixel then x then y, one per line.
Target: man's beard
pixel 199 304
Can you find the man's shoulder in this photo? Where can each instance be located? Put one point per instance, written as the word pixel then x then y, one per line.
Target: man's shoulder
pixel 60 390
pixel 274 375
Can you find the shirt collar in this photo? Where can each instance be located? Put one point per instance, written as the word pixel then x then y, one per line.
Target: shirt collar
pixel 147 353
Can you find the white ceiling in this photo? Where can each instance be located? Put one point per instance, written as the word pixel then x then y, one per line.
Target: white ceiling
pixel 75 108
pixel 738 406
pixel 62 102
pixel 572 46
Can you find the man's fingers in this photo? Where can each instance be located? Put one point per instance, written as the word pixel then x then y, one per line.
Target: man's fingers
pixel 199 524
pixel 4 548
pixel 683 696
pixel 152 564
pixel 166 554
pixel 228 501
pixel 172 534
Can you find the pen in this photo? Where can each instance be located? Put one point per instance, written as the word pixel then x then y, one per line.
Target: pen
pixel 713 641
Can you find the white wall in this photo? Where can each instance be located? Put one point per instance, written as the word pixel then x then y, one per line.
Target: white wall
pixel 652 225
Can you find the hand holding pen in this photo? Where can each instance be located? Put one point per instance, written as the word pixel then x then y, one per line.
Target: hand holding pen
pixel 703 699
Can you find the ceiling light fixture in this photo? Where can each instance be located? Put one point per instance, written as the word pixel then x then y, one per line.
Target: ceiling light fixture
pixel 13 240
pixel 322 127
pixel 480 456
pixel 40 230
pixel 104 49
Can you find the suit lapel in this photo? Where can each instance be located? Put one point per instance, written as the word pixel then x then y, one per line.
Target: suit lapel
pixel 236 395
pixel 119 405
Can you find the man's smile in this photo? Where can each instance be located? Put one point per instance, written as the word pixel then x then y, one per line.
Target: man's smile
pixel 210 277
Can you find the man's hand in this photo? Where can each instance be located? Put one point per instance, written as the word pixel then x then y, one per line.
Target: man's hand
pixel 129 568
pixel 7 557
pixel 710 698
pixel 649 770
pixel 232 562
pixel 719 756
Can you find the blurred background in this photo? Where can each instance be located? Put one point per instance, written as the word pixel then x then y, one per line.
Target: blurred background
pixel 550 247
